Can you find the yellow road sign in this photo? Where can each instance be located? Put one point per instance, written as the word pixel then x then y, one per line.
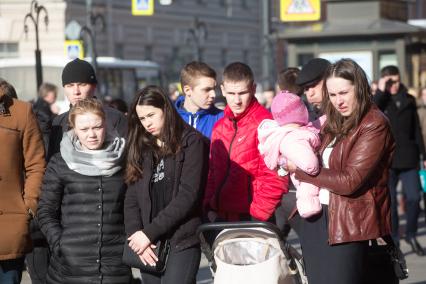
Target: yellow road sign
pixel 142 7
pixel 300 10
pixel 74 49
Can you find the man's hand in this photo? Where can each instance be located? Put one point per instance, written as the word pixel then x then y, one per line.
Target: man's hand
pixel 383 84
pixel 138 242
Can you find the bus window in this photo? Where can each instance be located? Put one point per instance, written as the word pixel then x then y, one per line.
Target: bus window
pixel 129 85
pixel 117 78
pixel 109 82
pixel 148 76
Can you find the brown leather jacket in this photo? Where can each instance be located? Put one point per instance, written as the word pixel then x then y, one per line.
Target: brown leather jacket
pixel 357 178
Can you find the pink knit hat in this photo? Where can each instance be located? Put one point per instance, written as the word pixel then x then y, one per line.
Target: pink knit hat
pixel 289 108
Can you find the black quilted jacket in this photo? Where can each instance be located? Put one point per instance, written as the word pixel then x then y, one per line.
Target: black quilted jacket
pixel 82 219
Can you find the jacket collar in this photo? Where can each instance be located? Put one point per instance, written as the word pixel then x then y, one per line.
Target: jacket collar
pixel 254 104
pixel 179 106
pixel 327 139
pixel 5 103
pixel 403 93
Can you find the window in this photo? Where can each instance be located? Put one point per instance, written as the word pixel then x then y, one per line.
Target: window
pixel 175 52
pixel 201 52
pixel 244 4
pixel 387 58
pixel 148 52
pixel 303 58
pixel 8 49
pixel 224 56
pixel 246 56
pixel 119 50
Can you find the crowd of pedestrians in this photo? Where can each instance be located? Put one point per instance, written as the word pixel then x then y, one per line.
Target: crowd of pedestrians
pixel 80 187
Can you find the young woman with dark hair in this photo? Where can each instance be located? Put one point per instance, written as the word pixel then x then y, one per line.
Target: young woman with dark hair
pixel 167 164
pixel 356 151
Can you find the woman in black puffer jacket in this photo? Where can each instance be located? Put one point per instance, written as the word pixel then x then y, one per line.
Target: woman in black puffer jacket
pixel 81 206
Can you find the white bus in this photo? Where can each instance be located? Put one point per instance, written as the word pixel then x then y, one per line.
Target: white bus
pixel 117 78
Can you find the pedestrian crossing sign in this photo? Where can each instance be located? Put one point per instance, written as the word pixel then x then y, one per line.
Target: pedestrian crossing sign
pixel 74 49
pixel 142 7
pixel 300 10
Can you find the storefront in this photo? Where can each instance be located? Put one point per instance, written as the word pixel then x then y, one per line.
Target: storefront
pixel 357 31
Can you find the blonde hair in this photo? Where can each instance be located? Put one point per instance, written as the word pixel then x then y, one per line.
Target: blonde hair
pixel 84 106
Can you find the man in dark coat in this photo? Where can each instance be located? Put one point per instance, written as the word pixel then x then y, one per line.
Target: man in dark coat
pixel 79 82
pixel 40 254
pixel 42 108
pixel 400 107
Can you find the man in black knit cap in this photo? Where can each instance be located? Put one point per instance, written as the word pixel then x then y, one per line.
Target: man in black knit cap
pixel 79 82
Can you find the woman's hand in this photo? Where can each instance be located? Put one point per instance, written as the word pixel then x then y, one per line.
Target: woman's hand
pixel 138 242
pixel 212 216
pixel 148 256
pixel 290 167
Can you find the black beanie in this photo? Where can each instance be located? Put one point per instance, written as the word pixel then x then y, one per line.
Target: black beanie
pixel 78 71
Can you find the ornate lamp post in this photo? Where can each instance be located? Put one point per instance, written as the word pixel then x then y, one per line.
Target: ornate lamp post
pixel 266 45
pixel 34 15
pixel 90 31
pixel 198 34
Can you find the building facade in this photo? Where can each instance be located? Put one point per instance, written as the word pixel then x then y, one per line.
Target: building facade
pixel 215 31
pixel 373 32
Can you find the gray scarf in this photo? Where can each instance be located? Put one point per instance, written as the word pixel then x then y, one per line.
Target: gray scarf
pixel 103 162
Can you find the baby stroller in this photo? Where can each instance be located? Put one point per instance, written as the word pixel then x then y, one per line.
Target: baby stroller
pixel 250 252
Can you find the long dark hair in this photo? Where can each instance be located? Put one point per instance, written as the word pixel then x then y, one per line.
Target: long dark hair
pixel 338 126
pixel 139 141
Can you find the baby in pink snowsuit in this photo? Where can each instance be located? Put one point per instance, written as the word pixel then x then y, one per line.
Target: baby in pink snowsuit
pixel 290 136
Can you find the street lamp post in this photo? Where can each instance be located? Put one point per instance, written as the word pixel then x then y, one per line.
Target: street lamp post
pixel 266 45
pixel 198 34
pixel 90 31
pixel 34 15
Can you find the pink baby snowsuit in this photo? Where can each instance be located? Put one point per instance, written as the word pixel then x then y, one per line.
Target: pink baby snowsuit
pixel 277 144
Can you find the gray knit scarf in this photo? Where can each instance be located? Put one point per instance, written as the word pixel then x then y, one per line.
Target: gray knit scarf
pixel 103 162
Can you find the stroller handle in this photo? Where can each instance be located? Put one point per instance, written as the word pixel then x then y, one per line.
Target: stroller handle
pixel 238 225
pixel 218 226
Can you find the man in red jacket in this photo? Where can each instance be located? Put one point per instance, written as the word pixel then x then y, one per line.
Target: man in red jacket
pixel 240 186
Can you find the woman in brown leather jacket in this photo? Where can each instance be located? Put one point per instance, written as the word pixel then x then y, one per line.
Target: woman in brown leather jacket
pixel 356 151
